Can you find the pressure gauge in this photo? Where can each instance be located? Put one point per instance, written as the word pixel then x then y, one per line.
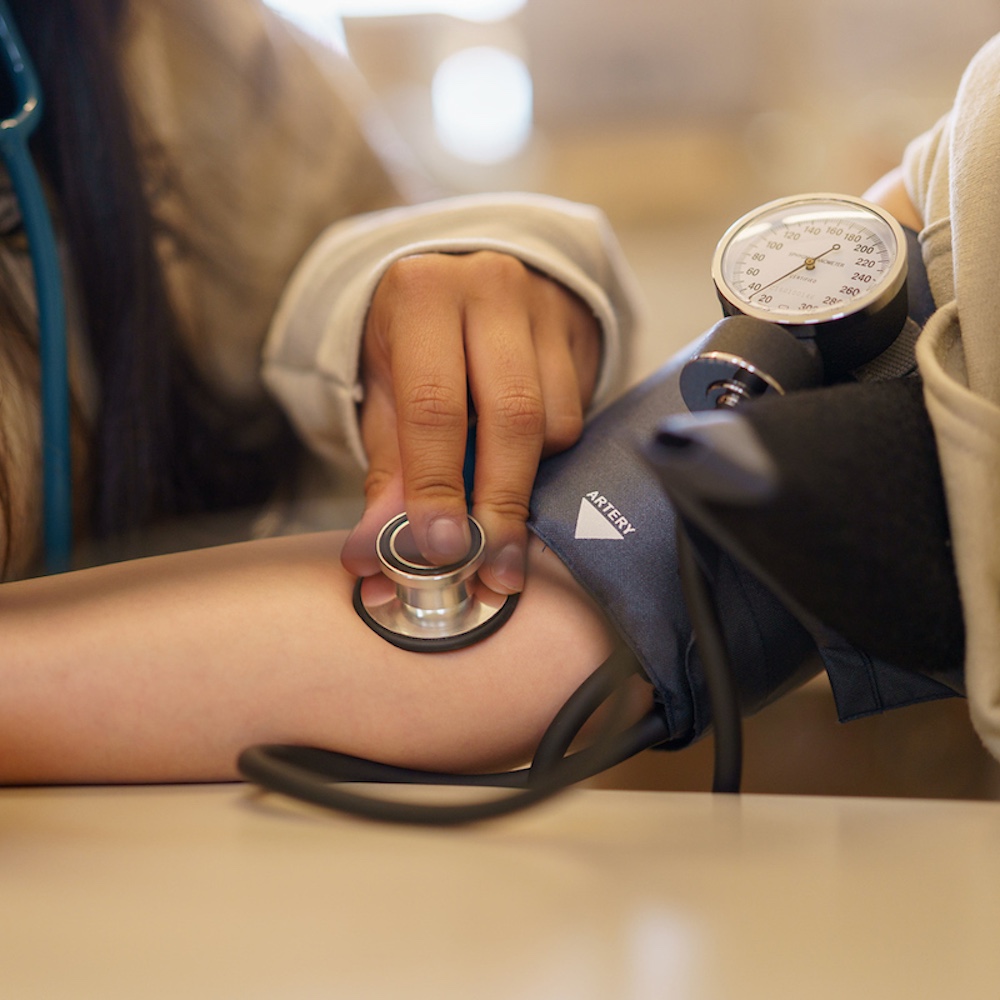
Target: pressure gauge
pixel 830 267
pixel 812 287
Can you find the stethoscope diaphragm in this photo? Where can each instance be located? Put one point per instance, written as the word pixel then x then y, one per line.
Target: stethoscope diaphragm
pixel 432 608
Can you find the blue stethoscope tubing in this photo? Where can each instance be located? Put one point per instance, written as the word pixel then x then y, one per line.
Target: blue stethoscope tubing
pixel 56 459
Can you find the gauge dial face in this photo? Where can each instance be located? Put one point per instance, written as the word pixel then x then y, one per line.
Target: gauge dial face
pixel 811 259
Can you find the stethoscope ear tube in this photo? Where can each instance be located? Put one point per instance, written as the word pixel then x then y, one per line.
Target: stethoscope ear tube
pixel 317 776
pixel 56 458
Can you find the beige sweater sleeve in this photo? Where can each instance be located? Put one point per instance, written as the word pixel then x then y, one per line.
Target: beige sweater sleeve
pixel 953 177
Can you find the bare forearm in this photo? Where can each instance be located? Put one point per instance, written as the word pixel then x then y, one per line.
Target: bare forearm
pixel 163 669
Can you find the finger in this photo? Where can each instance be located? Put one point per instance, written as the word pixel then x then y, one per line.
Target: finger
pixel 568 344
pixel 560 385
pixel 505 387
pixel 427 363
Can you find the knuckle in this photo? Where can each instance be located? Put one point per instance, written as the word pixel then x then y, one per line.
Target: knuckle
pixel 408 278
pixel 507 505
pixel 377 481
pixel 433 488
pixel 519 410
pixel 432 406
pixel 489 269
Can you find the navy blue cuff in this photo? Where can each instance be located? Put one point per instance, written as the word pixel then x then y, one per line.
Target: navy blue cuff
pixel 601 508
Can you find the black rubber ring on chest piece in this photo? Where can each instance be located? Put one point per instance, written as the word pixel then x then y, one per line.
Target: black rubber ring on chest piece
pixel 435 644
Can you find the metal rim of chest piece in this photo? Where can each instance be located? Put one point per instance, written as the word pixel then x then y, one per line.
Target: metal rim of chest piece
pixel 434 608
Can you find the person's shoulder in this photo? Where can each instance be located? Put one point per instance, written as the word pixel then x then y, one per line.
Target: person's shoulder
pixel 984 67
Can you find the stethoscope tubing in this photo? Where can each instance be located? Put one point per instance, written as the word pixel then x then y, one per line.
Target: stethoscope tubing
pixel 15 131
pixel 318 776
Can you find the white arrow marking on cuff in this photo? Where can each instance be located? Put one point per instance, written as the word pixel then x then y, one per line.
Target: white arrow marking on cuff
pixel 595 522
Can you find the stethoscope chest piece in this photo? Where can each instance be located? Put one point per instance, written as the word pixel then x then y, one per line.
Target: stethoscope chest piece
pixel 432 608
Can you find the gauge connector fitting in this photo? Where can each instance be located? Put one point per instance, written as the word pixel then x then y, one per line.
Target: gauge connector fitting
pixel 744 358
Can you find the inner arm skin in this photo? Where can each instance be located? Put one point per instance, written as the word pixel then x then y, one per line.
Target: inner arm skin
pixel 164 669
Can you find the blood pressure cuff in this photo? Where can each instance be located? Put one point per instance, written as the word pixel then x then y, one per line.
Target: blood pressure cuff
pixel 872 557
pixel 602 509
pixel 853 535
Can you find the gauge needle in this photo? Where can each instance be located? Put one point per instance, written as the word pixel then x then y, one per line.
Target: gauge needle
pixel 809 263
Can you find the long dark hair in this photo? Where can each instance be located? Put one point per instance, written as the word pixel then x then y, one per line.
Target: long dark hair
pixel 164 445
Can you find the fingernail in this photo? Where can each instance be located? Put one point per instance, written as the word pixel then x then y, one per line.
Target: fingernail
pixel 448 539
pixel 508 568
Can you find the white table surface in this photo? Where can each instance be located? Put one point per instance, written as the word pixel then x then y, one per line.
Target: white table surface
pixel 218 892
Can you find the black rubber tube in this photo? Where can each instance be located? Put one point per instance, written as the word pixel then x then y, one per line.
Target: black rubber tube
pixel 726 716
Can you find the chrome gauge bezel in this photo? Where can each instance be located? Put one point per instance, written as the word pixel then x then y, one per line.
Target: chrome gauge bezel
pixel 867 303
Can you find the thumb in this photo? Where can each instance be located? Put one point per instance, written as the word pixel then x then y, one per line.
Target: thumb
pixel 383 488
pixel 358 554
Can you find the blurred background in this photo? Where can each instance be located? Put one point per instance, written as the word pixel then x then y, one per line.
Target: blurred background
pixel 676 118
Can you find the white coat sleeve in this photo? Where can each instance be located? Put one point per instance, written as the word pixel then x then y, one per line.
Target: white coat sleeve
pixel 312 352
